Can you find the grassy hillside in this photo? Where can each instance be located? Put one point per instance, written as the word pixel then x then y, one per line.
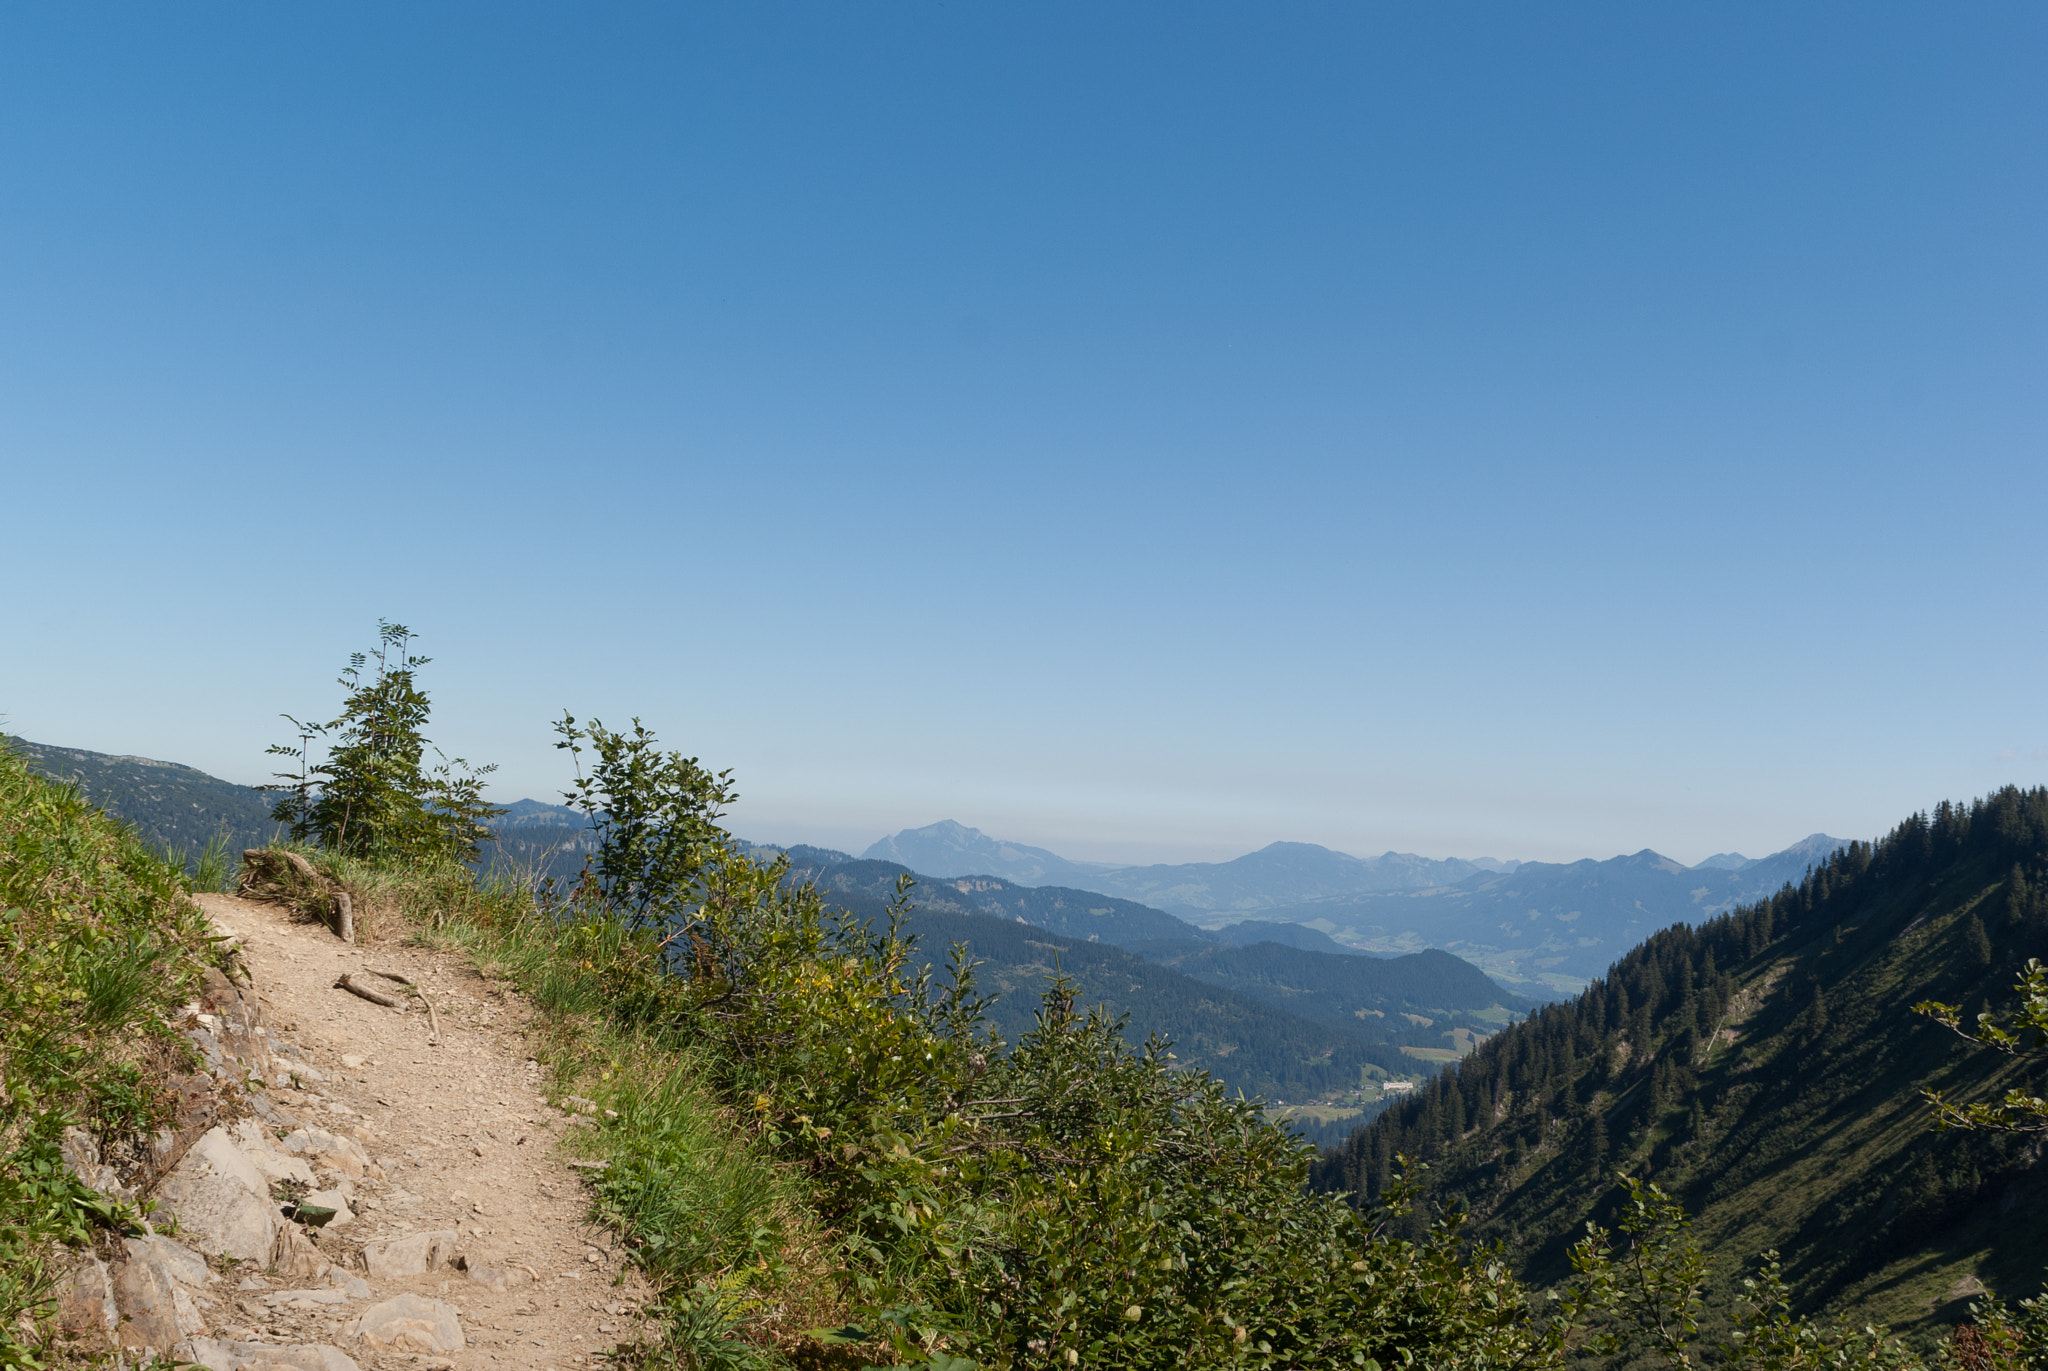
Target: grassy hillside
pixel 170 806
pixel 1766 1068
pixel 98 947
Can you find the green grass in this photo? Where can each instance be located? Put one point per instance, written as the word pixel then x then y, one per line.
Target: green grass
pixel 725 1235
pixel 98 946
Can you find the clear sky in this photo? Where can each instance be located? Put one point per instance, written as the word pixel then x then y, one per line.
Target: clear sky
pixel 1144 430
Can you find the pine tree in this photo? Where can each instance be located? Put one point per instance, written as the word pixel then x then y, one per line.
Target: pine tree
pixel 1596 1141
pixel 1816 1025
pixel 2019 902
pixel 1977 943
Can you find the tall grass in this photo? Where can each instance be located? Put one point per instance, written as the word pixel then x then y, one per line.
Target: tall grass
pixel 98 944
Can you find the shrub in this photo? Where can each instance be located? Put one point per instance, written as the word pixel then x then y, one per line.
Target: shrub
pixel 372 794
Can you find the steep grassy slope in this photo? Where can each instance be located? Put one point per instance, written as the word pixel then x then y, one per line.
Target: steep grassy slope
pixel 171 806
pixel 98 946
pixel 1766 1068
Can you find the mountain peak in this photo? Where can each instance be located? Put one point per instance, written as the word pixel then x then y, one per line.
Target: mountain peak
pixel 950 848
pixel 1721 861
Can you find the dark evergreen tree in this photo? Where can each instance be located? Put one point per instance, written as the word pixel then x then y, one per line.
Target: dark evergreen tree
pixel 1977 944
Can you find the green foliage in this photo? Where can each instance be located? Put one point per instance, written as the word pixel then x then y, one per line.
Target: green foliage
pixel 373 795
pixel 97 945
pixel 655 816
pixel 2022 1031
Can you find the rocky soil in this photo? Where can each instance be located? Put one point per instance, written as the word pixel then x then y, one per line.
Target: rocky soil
pixel 459 1237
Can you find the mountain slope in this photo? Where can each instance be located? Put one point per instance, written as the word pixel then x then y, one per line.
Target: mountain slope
pixel 1434 986
pixel 1251 1046
pixel 171 806
pixel 1237 1016
pixel 1277 875
pixel 952 849
pixel 1250 931
pixel 1078 914
pixel 1766 1069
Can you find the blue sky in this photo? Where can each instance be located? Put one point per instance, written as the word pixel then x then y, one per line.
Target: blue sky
pixel 1147 431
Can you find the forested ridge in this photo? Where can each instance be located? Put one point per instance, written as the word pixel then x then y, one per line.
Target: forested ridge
pixel 1287 1032
pixel 1766 1069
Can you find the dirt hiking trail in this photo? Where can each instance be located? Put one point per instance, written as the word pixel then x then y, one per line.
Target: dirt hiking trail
pixel 462 1197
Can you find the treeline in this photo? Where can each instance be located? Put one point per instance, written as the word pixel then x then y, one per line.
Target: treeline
pixel 1710 1056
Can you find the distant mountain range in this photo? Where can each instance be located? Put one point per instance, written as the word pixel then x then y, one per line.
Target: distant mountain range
pixel 1282 874
pixel 1278 874
pixel 1540 926
pixel 1555 925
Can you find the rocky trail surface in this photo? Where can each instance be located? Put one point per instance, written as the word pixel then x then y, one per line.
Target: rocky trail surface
pixel 459 1237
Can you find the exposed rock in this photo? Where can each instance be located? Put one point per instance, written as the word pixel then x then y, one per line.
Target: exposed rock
pixel 221 1200
pixel 497 1278
pixel 295 1256
pixel 86 1306
pixel 233 1021
pixel 264 1356
pixel 307 1298
pixel 330 1151
pixel 415 1254
pixel 81 1153
pixel 355 1287
pixel 335 1200
pixel 156 1312
pixel 410 1323
pixel 179 1262
pixel 261 1150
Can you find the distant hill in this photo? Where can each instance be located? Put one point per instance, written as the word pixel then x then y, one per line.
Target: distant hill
pixel 1765 1068
pixel 951 849
pixel 171 806
pixel 1279 875
pixel 1550 924
pixel 1081 914
pixel 1251 931
pixel 1346 990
